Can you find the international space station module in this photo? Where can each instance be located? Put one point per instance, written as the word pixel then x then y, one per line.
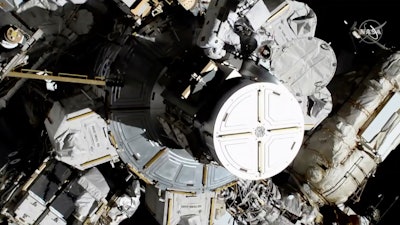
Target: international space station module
pixel 195 107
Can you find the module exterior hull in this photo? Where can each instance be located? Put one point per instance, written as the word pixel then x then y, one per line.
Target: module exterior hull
pixel 218 112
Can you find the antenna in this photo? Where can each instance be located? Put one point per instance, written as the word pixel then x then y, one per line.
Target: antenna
pixel 387 210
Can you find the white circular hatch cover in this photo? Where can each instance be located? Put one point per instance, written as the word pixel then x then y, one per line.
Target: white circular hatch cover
pixel 258 131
